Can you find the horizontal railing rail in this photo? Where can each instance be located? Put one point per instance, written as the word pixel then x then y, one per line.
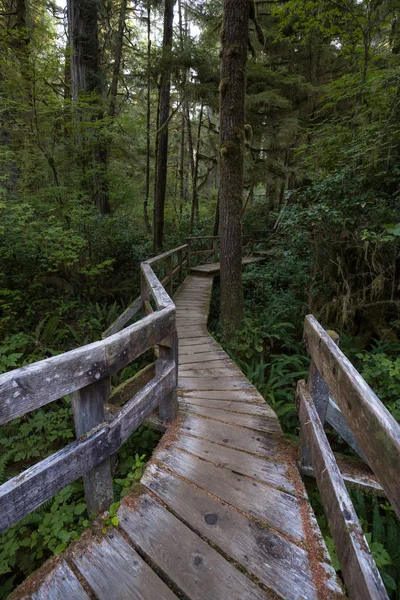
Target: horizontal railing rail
pixel 195 246
pixel 337 393
pixel 86 374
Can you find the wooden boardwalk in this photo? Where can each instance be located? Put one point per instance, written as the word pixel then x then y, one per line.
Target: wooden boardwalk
pixel 214 268
pixel 222 513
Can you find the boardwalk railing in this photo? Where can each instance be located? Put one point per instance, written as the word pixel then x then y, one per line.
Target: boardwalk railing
pixel 206 248
pixel 361 418
pixel 86 374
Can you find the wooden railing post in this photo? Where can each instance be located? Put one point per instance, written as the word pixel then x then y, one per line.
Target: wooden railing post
pixel 170 284
pixel 319 392
pixel 88 410
pixel 188 250
pixel 180 261
pixel 168 350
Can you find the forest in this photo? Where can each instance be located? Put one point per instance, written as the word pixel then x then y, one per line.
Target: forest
pixel 117 142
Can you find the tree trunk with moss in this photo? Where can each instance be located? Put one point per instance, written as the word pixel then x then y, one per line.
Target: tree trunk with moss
pixel 87 90
pixel 162 136
pixel 234 38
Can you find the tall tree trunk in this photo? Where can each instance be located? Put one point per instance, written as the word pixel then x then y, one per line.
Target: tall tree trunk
pixel 190 139
pixel 162 157
pixel 117 60
pixel 182 165
pixel 148 122
pixel 88 85
pixel 182 145
pixel 195 195
pixel 234 42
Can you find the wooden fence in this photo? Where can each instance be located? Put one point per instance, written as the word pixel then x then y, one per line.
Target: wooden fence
pixel 86 374
pixel 206 248
pixel 359 417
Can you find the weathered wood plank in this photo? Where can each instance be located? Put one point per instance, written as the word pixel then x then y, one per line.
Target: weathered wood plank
pixel 235 437
pixel 22 494
pixel 195 568
pixel 211 372
pixel 123 318
pixel 269 472
pixel 132 386
pixel 217 362
pixel 40 383
pixel 160 296
pixel 187 359
pixel 245 408
pixel 213 383
pixel 279 564
pixel 273 507
pixel 352 477
pixel 88 410
pixel 168 354
pixel 59 584
pixel 114 570
pixel 214 268
pixel 335 417
pixel 196 345
pixel 259 423
pixel 191 334
pixel 160 257
pixel 376 431
pixel 361 575
pixel 125 347
pixel 232 395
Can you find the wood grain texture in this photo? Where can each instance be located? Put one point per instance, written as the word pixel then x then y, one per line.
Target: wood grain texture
pixel 40 383
pixel 279 564
pixel 189 359
pixel 335 417
pixel 269 472
pixel 115 571
pixel 277 509
pixel 246 408
pixel 59 584
pixel 213 383
pixel 232 395
pixel 88 410
pixel 195 568
pixel 361 575
pixel 27 491
pixel 376 431
pixel 259 423
pixel 234 437
pixel 123 318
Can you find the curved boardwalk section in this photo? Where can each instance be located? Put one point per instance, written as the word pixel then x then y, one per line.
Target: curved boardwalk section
pixel 222 513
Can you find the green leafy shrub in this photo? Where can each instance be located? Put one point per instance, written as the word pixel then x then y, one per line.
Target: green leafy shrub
pixel 382 372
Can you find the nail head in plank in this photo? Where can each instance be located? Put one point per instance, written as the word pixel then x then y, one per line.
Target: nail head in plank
pixel 276 562
pixel 277 509
pixel 190 563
